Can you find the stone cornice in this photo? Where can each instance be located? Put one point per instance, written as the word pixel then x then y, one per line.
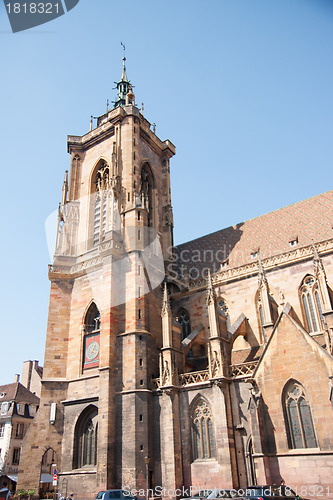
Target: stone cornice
pixel 156 144
pixel 70 402
pixel 75 143
pixel 271 263
pixel 276 261
pixel 78 269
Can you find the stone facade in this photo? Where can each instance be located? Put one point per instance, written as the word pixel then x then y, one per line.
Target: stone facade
pixel 212 359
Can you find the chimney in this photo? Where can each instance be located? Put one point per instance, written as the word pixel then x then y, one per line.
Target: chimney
pixel 17 378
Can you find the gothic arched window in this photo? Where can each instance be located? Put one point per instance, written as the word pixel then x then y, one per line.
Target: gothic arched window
pixel 298 417
pixel 184 319
pixel 85 438
pixel 91 344
pixel 101 202
pixel 147 192
pixel 202 431
pixel 224 309
pixel 312 304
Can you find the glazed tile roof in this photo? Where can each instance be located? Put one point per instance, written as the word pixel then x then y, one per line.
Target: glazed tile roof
pixel 246 355
pixel 320 339
pixel 18 393
pixel 307 220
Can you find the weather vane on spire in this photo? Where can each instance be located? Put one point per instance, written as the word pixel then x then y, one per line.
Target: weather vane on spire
pixel 123 86
pixel 123 46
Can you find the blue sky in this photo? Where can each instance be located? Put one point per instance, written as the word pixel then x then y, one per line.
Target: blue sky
pixel 243 88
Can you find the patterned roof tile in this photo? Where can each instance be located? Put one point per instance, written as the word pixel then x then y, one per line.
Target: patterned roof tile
pixel 307 220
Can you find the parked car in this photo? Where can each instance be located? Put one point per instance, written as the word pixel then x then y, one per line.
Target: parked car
pixel 267 492
pixel 223 493
pixel 201 495
pixel 115 495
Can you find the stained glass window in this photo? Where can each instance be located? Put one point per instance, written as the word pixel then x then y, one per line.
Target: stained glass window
pixel 89 444
pixel 85 439
pixel 311 302
pixel 203 435
pixel 101 192
pixel 300 426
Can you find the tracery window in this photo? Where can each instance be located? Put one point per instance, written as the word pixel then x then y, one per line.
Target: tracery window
pixel 147 192
pixel 202 431
pixel 85 439
pixel 185 322
pixel 91 342
pixel 101 199
pixel 312 304
pixel 299 420
pixel 224 308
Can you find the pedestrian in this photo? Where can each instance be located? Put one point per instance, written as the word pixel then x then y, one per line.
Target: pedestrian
pixel 5 493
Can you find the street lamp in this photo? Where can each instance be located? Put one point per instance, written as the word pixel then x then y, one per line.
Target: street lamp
pixel 147 460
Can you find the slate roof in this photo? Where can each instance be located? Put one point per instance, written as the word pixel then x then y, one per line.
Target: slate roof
pixel 18 393
pixel 307 220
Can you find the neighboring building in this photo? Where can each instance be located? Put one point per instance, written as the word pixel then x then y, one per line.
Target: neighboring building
pixel 220 378
pixel 31 376
pixel 18 406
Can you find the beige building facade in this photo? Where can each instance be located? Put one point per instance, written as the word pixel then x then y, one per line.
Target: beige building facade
pixel 18 407
pixel 208 364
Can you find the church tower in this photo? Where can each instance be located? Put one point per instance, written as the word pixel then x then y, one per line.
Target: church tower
pixel 104 327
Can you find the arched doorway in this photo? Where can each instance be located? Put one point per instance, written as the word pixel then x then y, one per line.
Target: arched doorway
pixel 47 467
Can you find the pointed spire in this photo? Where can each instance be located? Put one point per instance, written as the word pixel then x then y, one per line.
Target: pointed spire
pixel 64 189
pixel 166 300
pixel 114 160
pixel 123 85
pixel 262 279
pixel 123 74
pixel 210 291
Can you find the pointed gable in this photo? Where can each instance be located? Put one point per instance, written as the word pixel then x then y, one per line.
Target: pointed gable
pixel 292 354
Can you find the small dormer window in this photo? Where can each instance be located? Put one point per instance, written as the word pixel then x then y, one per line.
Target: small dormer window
pixel 32 410
pixel 224 264
pixel 3 394
pixel 254 254
pixel 21 408
pixel 4 407
pixel 293 241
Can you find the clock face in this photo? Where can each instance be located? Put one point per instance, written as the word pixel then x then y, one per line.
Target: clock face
pixel 92 350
